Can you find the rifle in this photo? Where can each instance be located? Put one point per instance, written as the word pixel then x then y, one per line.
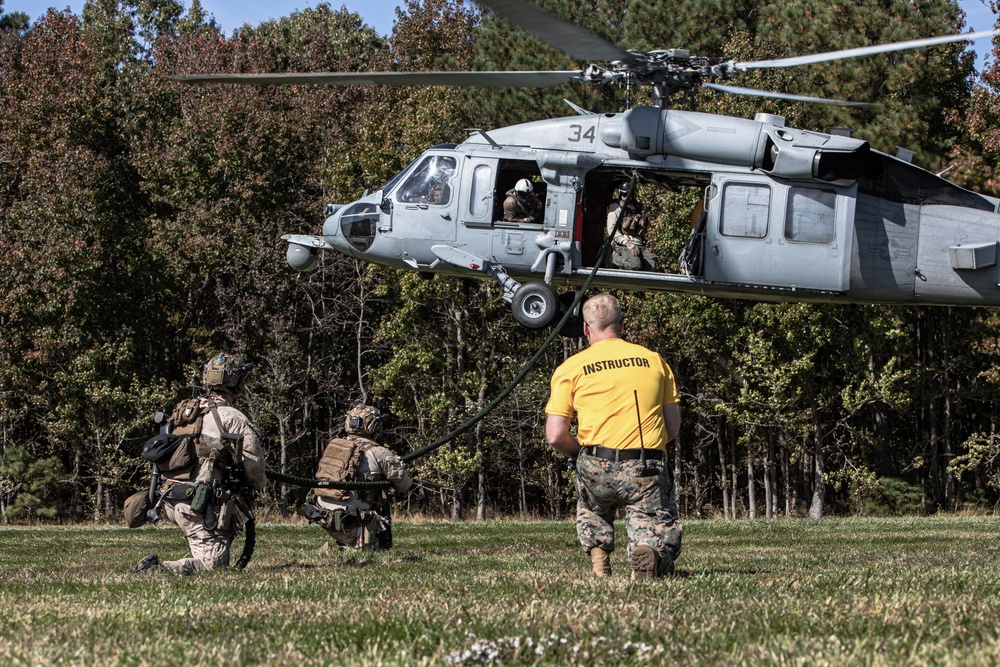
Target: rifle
pixel 234 479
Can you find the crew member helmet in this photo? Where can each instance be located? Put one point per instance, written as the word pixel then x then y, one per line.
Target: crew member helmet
pixel 363 420
pixel 523 187
pixel 225 372
pixel 623 189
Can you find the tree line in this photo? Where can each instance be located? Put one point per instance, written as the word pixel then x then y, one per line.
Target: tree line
pixel 140 225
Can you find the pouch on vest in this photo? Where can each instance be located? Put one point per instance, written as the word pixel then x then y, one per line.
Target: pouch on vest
pixel 340 463
pixel 169 452
pixel 213 449
pixel 200 500
pixel 226 513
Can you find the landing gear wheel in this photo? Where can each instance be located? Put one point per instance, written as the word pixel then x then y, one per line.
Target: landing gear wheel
pixel 535 305
pixel 574 327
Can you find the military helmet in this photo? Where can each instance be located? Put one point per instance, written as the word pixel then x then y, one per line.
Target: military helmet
pixel 523 187
pixel 623 189
pixel 224 372
pixel 363 420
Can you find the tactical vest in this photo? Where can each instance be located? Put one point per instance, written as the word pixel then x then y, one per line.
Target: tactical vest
pixel 635 224
pixel 340 462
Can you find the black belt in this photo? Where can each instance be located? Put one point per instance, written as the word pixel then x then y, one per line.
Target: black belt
pixel 622 454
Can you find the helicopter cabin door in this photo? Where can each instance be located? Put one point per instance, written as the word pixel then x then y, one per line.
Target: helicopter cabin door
pixel 766 233
pixel 477 196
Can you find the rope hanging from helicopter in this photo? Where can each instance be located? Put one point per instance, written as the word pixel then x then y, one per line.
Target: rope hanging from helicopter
pixel 308 482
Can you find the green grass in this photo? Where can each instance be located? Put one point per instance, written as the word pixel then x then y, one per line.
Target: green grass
pixel 788 592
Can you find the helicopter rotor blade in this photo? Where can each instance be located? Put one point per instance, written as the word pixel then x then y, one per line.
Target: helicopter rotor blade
pixel 568 37
pixel 541 79
pixel 863 51
pixel 754 92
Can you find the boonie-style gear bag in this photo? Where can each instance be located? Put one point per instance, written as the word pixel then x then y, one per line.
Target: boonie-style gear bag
pixel 134 511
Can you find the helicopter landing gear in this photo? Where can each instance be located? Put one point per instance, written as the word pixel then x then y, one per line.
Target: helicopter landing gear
pixel 535 305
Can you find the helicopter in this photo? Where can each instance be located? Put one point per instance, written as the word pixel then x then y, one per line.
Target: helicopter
pixel 785 214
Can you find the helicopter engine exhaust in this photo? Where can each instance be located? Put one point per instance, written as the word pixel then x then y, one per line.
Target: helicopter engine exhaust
pixel 763 143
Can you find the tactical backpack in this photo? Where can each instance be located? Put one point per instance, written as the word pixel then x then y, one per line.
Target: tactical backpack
pixel 340 464
pixel 174 452
pixel 179 453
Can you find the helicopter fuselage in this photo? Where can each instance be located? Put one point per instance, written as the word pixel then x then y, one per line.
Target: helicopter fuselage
pixel 789 215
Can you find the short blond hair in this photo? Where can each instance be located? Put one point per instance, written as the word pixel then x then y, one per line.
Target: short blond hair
pixel 602 311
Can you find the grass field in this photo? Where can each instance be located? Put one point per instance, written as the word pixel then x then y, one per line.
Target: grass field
pixel 788 592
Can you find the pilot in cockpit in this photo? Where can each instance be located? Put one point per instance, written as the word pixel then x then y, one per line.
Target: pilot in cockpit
pixel 441 188
pixel 430 182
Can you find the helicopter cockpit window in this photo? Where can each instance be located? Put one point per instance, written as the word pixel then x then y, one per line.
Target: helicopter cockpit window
pixel 811 215
pixel 387 188
pixel 430 182
pixel 358 224
pixel 745 210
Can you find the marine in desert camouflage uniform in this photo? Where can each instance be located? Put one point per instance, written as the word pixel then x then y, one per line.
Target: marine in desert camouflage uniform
pixel 210 533
pixel 358 518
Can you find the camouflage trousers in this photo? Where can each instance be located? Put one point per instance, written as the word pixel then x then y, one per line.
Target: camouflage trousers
pixel 650 512
pixel 209 548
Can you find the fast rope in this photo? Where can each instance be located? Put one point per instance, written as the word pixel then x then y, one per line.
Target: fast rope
pixel 423 451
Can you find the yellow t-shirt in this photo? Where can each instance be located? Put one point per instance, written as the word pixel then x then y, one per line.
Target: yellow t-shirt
pixel 602 385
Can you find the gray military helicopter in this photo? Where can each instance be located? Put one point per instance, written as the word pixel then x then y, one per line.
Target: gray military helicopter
pixel 788 215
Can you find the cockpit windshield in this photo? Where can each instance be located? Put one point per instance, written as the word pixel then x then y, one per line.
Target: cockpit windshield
pixel 387 188
pixel 429 182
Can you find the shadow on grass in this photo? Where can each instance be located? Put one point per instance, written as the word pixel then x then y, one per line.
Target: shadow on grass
pixel 358 561
pixel 724 571
pixel 291 566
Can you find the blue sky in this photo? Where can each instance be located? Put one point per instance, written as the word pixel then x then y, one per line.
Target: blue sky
pixel 230 14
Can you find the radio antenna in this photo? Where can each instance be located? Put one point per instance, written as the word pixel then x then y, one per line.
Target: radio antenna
pixel 646 471
pixel 638 418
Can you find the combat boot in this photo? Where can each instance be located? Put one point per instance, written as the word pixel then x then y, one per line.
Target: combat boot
pixel 645 562
pixel 146 566
pixel 600 560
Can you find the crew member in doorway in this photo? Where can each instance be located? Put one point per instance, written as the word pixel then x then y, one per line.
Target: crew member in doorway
pixel 629 249
pixel 522 204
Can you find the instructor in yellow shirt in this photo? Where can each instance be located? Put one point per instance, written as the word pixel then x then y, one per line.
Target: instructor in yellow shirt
pixel 627 409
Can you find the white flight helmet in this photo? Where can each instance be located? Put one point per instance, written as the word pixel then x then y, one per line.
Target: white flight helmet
pixel 523 187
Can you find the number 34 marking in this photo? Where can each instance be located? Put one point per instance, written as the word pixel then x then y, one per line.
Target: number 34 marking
pixel 577 135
